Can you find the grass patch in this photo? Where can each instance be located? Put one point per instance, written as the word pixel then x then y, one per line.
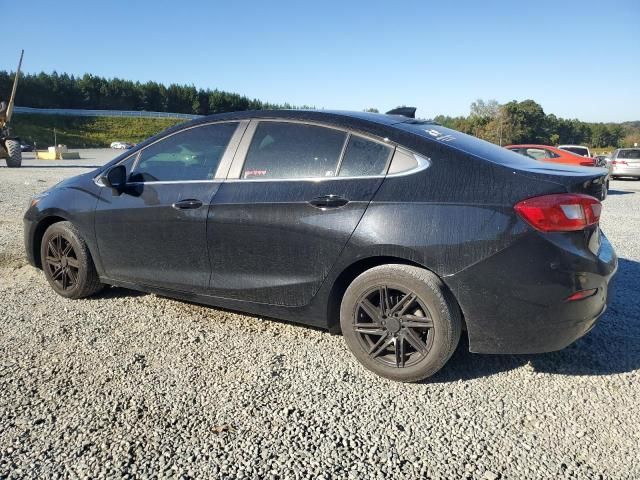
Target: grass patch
pixel 86 132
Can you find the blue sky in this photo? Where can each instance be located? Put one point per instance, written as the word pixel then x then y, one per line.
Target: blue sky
pixel 579 59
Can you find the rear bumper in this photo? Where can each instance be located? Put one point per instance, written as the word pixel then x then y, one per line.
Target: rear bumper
pixel 515 301
pixel 621 171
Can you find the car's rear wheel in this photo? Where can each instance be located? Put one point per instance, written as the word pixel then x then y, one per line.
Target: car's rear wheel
pixel 400 322
pixel 67 263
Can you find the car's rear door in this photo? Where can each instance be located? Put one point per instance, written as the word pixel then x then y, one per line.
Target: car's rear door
pixel 294 196
pixel 154 232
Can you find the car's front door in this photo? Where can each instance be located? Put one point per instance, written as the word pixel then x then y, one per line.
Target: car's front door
pixel 275 231
pixel 154 231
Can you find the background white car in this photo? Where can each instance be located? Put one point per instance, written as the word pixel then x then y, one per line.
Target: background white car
pixel 121 145
pixel 577 149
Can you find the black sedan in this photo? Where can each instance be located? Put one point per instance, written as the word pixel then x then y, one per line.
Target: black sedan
pixel 397 232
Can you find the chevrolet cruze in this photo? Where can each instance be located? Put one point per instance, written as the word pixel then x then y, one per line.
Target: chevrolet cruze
pixel 397 232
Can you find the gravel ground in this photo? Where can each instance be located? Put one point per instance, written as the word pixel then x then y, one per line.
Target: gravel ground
pixel 134 385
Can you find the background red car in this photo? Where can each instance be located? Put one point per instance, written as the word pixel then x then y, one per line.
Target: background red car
pixel 546 153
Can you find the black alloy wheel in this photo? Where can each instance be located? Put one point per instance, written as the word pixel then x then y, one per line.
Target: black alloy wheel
pixel 61 262
pixel 67 262
pixel 393 326
pixel 400 321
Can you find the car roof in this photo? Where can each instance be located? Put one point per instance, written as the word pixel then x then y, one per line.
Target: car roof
pixel 376 124
pixel 342 117
pixel 576 146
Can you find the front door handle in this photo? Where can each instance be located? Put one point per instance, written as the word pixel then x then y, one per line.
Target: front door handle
pixel 188 204
pixel 328 201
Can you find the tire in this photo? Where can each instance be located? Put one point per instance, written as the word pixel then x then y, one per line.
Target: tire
pixel 415 337
pixel 67 263
pixel 14 154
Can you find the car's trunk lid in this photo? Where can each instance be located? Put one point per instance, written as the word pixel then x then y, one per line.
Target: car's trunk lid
pixel 588 180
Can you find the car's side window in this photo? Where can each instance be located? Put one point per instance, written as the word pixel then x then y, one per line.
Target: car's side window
pixel 364 158
pixel 551 154
pixel 293 150
pixel 192 154
pixel 536 153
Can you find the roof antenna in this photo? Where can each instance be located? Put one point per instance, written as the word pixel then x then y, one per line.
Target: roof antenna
pixel 409 112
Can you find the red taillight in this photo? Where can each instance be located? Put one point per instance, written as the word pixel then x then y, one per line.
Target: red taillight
pixel 581 295
pixel 619 162
pixel 560 212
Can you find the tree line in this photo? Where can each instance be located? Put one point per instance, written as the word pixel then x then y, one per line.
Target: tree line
pixel 61 90
pixel 512 122
pixel 526 122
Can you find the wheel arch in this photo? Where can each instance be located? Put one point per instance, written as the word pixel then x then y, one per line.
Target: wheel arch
pixel 349 274
pixel 38 233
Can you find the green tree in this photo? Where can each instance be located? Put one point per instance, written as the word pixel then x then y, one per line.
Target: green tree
pixel 524 122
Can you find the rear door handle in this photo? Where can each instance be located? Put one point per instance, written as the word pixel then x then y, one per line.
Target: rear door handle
pixel 188 204
pixel 328 201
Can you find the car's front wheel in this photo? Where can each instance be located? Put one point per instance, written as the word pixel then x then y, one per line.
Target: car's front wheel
pixel 67 263
pixel 400 322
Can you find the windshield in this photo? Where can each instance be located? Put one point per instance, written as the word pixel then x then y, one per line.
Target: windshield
pixel 577 150
pixel 633 154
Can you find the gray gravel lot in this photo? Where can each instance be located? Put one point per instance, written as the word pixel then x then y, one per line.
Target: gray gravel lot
pixel 135 385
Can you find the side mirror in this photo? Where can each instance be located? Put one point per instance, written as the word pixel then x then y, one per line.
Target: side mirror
pixel 115 178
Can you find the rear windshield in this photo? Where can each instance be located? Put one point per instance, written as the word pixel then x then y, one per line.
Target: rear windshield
pixel 632 154
pixel 467 143
pixel 578 150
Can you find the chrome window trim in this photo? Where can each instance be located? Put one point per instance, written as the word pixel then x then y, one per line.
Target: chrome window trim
pixel 171 182
pixel 244 135
pixel 241 154
pixel 299 179
pixel 422 163
pixel 135 164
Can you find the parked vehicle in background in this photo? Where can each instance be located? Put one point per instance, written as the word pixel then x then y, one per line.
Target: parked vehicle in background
pixel 25 147
pixel 392 230
pixel 577 149
pixel 604 161
pixel 122 145
pixel 547 153
pixel 625 162
pixel 10 144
